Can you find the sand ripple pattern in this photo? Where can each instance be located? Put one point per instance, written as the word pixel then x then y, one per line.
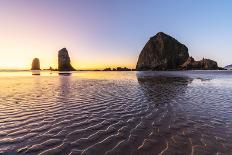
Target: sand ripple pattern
pixel 160 115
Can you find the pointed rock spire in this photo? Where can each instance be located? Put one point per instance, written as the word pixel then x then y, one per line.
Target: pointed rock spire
pixel 64 63
pixel 35 64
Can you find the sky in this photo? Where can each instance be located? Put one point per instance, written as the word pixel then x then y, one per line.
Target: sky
pixel 110 33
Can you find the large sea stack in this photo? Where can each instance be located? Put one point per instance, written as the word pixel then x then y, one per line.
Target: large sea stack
pixel 162 52
pixel 35 64
pixel 64 63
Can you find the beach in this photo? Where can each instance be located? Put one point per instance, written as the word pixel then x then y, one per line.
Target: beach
pixel 144 113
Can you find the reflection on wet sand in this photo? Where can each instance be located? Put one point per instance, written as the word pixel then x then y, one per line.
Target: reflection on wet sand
pixel 35 72
pixel 162 89
pixel 116 113
pixel 66 73
pixel 166 135
pixel 179 129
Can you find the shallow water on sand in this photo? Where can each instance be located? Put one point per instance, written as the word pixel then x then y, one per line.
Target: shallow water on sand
pixel 97 113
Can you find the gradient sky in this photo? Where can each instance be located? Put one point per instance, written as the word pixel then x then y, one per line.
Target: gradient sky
pixel 107 33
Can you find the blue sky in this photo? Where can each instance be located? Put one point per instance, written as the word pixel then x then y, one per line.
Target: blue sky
pixel 107 33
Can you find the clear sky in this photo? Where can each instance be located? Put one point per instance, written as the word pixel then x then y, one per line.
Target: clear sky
pixel 109 33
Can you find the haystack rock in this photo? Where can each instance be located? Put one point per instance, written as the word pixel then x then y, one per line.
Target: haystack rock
pixel 35 64
pixel 64 63
pixel 162 52
pixel 204 64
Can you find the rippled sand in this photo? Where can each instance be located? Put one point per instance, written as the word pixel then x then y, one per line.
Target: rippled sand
pixel 97 113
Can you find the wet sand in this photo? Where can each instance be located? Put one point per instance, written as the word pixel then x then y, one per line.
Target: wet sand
pixel 111 113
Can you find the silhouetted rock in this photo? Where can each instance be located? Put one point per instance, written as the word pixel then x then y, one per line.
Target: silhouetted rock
pixel 162 52
pixel 64 63
pixel 35 64
pixel 204 64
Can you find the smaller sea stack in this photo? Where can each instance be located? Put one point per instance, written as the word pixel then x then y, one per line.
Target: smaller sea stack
pixel 64 63
pixel 35 64
pixel 204 64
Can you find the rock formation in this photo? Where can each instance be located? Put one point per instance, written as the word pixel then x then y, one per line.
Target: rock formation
pixel 64 63
pixel 228 67
pixel 204 64
pixel 35 64
pixel 162 52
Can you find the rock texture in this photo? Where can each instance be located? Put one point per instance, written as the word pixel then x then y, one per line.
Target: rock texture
pixel 35 64
pixel 64 63
pixel 162 52
pixel 204 64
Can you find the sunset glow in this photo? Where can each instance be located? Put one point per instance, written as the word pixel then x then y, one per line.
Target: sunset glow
pixel 104 34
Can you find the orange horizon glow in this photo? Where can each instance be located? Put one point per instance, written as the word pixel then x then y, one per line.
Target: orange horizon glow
pixel 25 36
pixel 21 62
pixel 16 54
pixel 78 67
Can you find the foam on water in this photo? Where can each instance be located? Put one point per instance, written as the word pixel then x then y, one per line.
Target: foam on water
pixel 116 113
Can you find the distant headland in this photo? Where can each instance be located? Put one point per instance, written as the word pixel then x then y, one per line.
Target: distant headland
pixel 162 53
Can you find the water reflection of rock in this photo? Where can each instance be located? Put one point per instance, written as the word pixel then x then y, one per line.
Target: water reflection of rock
pixel 187 119
pixel 35 72
pixel 64 87
pixel 163 93
pixel 162 89
pixel 65 73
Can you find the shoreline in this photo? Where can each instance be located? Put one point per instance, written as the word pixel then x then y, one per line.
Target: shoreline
pixel 112 70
